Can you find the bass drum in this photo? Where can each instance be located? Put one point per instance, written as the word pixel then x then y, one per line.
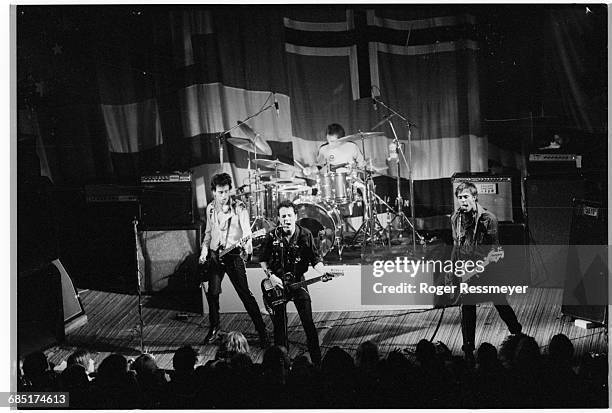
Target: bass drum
pixel 323 220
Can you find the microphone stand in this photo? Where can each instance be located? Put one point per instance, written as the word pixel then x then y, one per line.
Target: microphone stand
pixel 408 164
pixel 138 278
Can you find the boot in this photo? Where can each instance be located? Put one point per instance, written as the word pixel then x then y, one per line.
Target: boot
pixel 213 317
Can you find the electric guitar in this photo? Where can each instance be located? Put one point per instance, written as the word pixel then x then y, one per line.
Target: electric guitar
pixel 451 279
pixel 256 234
pixel 275 295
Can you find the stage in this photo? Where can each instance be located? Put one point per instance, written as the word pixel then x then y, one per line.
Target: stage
pixel 113 321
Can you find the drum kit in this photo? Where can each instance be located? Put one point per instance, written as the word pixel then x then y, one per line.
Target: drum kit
pixel 321 201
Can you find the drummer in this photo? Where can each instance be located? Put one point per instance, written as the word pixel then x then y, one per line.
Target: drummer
pixel 346 157
pixel 333 154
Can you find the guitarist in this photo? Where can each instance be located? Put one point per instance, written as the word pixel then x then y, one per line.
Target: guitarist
pixel 286 254
pixel 227 222
pixel 474 236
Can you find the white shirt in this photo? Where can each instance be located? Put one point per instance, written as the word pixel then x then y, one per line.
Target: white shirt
pixel 340 152
pixel 217 229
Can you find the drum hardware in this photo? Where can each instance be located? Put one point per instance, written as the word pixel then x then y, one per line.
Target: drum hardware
pixel 371 228
pixel 399 151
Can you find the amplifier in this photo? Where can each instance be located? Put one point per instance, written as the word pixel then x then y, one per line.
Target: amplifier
pixel 110 193
pixel 168 203
pixel 166 177
pixel 554 163
pixel 500 194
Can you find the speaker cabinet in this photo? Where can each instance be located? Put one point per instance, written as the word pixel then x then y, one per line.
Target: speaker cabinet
pixel 549 215
pixel 40 316
pixel 585 294
pixel 500 194
pixel 168 204
pixel 168 257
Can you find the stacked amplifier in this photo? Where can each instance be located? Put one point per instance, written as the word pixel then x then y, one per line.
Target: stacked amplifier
pixel 167 199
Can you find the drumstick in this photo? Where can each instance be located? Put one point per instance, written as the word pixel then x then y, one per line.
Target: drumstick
pixel 298 164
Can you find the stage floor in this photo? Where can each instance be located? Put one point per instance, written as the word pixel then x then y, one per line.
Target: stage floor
pixel 113 322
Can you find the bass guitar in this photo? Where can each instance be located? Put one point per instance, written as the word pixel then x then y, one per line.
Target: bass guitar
pixel 451 279
pixel 275 295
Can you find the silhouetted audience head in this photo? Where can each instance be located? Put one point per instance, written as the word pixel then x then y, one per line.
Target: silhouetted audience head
pixel 527 352
pixel 233 343
pixel 83 358
pixel 425 351
pixel 112 369
pixel 74 376
pixel 185 359
pixel 276 364
pixel 487 355
pixel 241 361
pixel 367 355
pixel 508 349
pixel 561 349
pixel 35 364
pixel 145 365
pixel 276 358
pixel 337 362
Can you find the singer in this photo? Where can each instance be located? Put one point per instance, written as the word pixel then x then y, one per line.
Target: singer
pixel 227 222
pixel 286 254
pixel 474 236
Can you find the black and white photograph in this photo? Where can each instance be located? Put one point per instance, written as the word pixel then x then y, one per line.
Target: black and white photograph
pixel 308 206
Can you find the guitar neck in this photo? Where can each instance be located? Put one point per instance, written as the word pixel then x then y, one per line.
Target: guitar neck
pixel 304 283
pixel 228 249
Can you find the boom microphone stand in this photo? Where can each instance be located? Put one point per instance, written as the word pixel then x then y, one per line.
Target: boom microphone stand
pixel 222 134
pixel 408 164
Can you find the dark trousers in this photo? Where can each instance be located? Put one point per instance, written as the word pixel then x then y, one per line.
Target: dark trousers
pixel 304 309
pixel 468 322
pixel 233 265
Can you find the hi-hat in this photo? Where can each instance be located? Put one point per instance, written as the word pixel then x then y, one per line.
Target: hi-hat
pixel 276 164
pixel 260 147
pixel 359 135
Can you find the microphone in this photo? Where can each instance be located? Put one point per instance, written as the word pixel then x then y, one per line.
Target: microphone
pixel 374 103
pixel 277 108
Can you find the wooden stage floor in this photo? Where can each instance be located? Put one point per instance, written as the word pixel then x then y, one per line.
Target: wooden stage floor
pixel 112 327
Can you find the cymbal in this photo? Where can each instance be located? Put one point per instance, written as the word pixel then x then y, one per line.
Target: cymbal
pixel 359 135
pixel 276 164
pixel 261 147
pixel 262 144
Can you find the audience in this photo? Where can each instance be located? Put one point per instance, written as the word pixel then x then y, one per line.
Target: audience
pixel 518 376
